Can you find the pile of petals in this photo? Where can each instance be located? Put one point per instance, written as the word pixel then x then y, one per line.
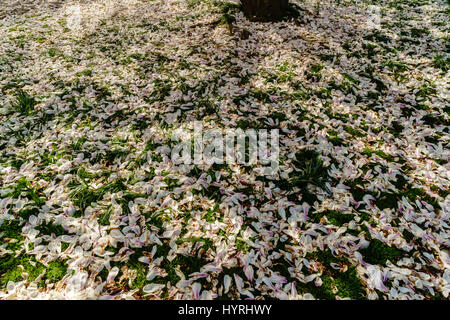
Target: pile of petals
pixel 91 205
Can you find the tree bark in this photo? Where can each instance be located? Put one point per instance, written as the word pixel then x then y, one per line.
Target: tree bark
pixel 264 10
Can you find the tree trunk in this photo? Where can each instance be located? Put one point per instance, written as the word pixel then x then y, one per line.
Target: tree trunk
pixel 264 10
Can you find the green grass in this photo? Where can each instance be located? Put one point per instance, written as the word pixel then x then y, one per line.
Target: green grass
pixel 380 153
pixel 228 11
pixel 187 264
pixel 24 103
pixel 309 169
pixel 50 228
pixel 23 187
pixel 440 62
pixel 242 246
pixel 314 72
pixel 334 139
pixel 83 196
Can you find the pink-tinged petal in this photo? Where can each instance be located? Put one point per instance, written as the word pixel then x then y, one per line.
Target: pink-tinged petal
pixel 196 290
pixel 239 282
pixel 249 272
pixel 226 283
pixel 112 274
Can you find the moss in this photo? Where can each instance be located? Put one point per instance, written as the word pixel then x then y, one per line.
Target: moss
pixel 10 271
pixel 400 182
pixel 325 257
pixel 141 278
pixel 412 193
pixel 357 188
pixel 133 263
pixel 378 253
pixel 12 229
pixel 334 217
pixel 337 218
pixel 9 264
pixel 324 292
pixel 387 200
pixel 309 197
pixel 416 193
pixel 347 283
pixel 55 271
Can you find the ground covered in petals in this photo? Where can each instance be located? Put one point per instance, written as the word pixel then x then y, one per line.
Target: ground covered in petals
pixel 91 206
